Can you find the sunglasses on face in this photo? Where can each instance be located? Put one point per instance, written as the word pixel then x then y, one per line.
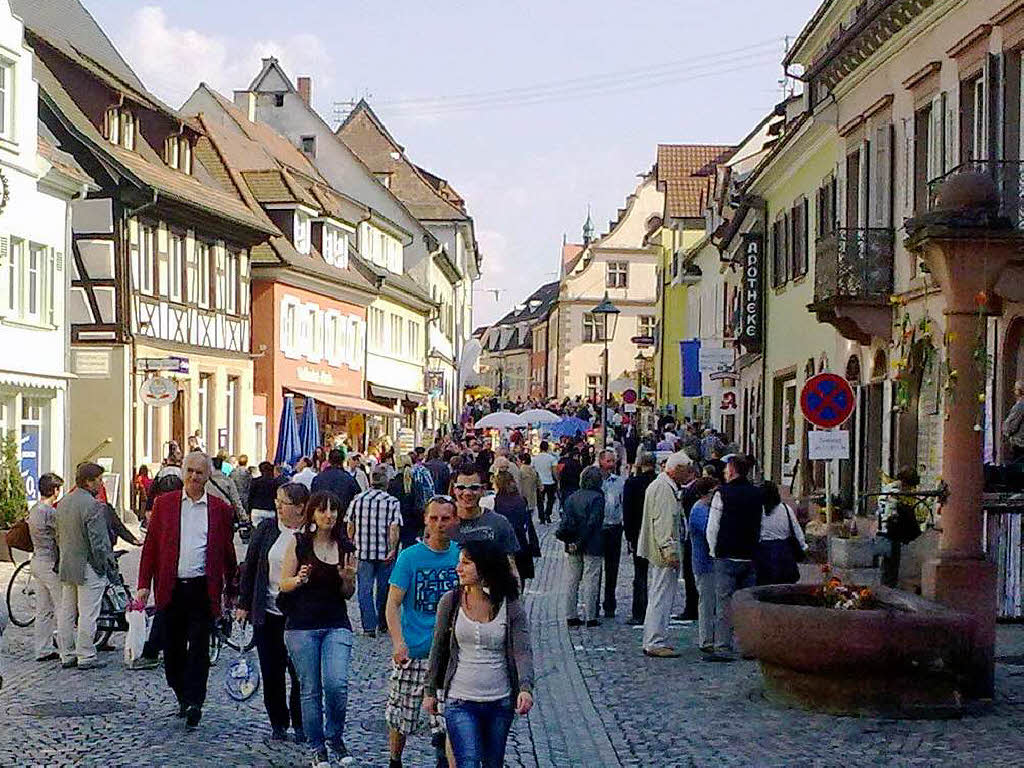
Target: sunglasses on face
pixel 468 486
pixel 443 497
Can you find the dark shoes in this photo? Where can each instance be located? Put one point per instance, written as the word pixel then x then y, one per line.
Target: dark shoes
pixel 299 736
pixel 720 657
pixel 181 710
pixel 193 715
pixel 573 623
pixel 635 622
pixel 49 657
pixel 279 734
pixel 593 623
pixel 340 753
pixel 394 763
pixel 70 663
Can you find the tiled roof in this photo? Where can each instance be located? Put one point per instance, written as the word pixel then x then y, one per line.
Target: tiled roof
pixel 49 149
pixel 570 254
pixel 684 171
pixel 279 249
pixel 535 307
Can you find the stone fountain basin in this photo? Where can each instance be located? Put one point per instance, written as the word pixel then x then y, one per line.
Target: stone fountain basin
pixel 906 658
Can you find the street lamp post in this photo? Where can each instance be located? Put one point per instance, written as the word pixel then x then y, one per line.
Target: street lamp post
pixel 606 310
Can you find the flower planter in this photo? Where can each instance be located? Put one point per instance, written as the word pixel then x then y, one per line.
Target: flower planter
pixel 851 553
pixel 906 658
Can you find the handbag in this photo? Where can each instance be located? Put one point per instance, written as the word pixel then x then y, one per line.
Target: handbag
pixel 799 555
pixel 18 537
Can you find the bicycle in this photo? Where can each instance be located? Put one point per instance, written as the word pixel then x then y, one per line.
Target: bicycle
pixel 238 636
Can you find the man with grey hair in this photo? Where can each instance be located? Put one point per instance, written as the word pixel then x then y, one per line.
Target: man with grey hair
pixel 1013 424
pixel 188 559
pixel 658 543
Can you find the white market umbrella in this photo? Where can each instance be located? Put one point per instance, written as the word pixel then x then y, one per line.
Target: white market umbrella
pixel 540 416
pixel 501 420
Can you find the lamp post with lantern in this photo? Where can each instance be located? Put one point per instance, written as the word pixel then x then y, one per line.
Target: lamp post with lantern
pixel 606 311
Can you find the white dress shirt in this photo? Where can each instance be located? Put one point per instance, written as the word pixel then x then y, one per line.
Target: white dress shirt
pixel 195 524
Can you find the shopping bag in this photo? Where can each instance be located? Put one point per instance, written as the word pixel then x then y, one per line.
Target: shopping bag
pixel 135 640
pixel 242 678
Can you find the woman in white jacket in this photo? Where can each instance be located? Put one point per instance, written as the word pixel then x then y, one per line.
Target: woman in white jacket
pixel 775 561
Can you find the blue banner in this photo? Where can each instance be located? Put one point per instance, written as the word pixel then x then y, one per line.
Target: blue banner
pixel 689 362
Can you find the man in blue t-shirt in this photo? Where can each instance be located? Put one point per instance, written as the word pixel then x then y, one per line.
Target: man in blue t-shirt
pixel 422 574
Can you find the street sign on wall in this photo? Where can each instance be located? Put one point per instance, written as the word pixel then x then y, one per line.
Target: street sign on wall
pixel 827 400
pixel 828 444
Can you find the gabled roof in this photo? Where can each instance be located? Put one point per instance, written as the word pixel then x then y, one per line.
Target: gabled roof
pixel 180 187
pixel 536 307
pixel 571 253
pixel 48 147
pixel 424 194
pixel 683 171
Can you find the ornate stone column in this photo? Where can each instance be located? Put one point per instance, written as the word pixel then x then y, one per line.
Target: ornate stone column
pixel 967 246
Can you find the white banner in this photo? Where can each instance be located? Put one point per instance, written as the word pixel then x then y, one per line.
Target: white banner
pixel 822 444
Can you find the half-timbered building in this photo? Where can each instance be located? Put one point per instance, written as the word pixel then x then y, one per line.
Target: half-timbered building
pixel 160 258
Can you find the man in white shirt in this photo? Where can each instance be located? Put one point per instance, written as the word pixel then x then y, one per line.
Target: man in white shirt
pixel 544 462
pixel 305 473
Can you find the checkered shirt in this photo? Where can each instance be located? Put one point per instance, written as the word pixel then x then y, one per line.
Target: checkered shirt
pixel 372 512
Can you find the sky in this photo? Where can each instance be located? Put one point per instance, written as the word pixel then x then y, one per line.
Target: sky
pixel 532 110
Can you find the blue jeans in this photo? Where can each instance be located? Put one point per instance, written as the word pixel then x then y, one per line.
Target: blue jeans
pixel 371 611
pixel 478 731
pixel 321 659
pixel 730 577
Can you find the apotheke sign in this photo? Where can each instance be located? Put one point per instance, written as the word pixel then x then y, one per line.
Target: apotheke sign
pixel 753 290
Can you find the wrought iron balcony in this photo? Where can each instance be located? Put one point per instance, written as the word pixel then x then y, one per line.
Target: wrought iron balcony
pixel 853 272
pixel 1008 176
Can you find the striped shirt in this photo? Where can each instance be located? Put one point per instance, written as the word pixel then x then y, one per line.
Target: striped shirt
pixel 372 513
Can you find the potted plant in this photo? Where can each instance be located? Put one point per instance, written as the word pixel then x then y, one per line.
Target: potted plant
pixel 13 502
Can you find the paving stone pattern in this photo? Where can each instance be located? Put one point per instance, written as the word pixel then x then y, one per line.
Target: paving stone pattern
pixel 599 702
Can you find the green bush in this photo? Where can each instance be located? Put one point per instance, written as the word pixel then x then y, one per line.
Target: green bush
pixel 13 504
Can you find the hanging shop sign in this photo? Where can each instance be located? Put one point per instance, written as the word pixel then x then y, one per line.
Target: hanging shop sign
pixel 156 390
pixel 751 317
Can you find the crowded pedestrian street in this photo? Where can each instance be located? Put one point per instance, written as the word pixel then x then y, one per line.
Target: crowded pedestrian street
pixel 600 703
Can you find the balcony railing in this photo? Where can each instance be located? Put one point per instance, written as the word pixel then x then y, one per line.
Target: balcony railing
pixel 1008 176
pixel 854 264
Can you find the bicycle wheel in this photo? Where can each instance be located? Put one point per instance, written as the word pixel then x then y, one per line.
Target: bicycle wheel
pixel 21 596
pixel 238 636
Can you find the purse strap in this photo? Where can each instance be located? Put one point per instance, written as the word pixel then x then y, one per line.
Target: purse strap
pixel 789 519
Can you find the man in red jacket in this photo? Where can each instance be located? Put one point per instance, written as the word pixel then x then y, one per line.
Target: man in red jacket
pixel 189 559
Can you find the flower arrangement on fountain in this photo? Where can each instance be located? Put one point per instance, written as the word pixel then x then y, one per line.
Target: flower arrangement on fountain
pixel 844 597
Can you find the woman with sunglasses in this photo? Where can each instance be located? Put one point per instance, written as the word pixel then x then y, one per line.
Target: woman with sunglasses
pixel 317 577
pixel 481 657
pixel 257 602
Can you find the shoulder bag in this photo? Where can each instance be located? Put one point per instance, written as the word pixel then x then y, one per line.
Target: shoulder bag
pixel 799 555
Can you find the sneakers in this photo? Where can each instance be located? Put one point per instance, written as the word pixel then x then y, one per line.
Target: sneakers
pixel 143 663
pixel 634 622
pixel 341 753
pixel 91 664
pixel 662 653
pixel 320 758
pixel 69 663
pixel 48 657
pixel 720 656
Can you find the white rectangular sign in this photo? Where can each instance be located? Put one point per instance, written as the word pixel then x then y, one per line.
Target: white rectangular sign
pixel 711 359
pixel 822 444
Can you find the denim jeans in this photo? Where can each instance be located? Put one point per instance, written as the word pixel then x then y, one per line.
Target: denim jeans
pixel 370 574
pixel 730 576
pixel 478 731
pixel 321 658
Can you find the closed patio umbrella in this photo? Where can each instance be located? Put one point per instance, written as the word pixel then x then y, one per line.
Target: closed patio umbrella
pixel 309 429
pixel 288 447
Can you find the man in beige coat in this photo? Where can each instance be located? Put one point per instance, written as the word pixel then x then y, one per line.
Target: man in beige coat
pixel 86 560
pixel 660 534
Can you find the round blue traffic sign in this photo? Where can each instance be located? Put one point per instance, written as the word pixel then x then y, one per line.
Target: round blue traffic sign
pixel 827 400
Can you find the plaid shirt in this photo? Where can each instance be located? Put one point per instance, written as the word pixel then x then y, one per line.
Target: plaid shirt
pixel 372 513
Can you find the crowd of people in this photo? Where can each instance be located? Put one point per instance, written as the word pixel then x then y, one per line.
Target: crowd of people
pixel 437 546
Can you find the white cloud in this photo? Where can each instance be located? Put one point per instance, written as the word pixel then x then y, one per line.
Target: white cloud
pixel 173 60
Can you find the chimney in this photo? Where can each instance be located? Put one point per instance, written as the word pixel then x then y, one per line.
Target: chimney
pixel 246 101
pixel 305 89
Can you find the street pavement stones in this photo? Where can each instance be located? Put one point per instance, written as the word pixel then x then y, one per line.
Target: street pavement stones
pixel 599 702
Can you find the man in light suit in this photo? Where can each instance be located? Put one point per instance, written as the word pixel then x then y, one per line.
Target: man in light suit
pixel 188 559
pixel 86 561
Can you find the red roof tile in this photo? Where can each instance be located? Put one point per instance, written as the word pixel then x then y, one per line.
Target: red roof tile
pixel 684 171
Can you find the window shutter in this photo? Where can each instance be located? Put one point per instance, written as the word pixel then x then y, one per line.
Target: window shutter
pixel 5 272
pixel 994 107
pixel 787 248
pixel 908 166
pixel 935 142
pixel 952 130
pixel 805 234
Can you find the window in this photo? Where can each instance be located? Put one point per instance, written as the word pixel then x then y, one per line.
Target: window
pixel 6 100
pixel 289 329
pixel 14 276
pixel 308 144
pixel 593 328
pixel 825 208
pixel 127 129
pixel 798 220
pixel 384 178
pixel 178 153
pixel 231 270
pixel 645 325
pixel 973 122
pixel 231 411
pixel 316 335
pixel 204 404
pixel 413 330
pixel 112 125
pixel 302 232
pixel 175 266
pixel 278 99
pixel 34 281
pixel 376 328
pixel 203 273
pixel 778 253
pixel 396 335
pixel 593 386
pixel 618 274
pixel 147 258
pixel 331 338
pixel 119 126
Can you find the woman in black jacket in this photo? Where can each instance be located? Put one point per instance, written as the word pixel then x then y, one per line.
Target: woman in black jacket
pixel 511 505
pixel 260 583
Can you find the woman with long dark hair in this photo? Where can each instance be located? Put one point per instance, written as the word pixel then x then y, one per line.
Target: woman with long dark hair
pixel 317 577
pixel 775 560
pixel 257 602
pixel 481 657
pixel 511 505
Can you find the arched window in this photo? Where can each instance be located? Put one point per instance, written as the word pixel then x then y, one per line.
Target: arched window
pixel 853 370
pixel 880 366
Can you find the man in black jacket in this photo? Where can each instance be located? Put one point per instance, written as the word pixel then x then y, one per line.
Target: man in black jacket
pixel 734 530
pixel 337 480
pixel 632 517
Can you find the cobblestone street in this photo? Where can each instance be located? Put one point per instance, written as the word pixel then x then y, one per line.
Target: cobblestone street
pixel 599 703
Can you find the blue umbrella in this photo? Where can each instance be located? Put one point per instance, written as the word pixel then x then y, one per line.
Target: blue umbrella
pixel 568 426
pixel 288 448
pixel 309 429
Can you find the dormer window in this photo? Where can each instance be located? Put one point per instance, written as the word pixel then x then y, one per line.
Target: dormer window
pixel 278 99
pixel 335 246
pixel 302 232
pixel 120 126
pixel 309 146
pixel 178 153
pixel 384 178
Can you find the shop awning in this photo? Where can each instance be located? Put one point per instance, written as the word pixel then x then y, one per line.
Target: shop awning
pixel 398 394
pixel 346 402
